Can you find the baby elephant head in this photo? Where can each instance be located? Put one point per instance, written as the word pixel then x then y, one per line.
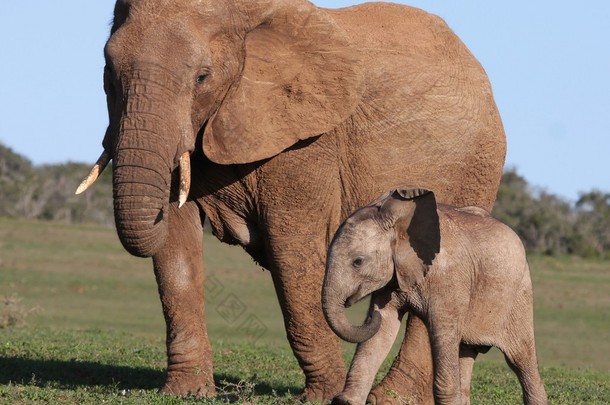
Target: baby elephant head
pixel 394 238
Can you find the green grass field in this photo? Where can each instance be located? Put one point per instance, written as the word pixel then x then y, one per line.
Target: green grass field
pixel 89 328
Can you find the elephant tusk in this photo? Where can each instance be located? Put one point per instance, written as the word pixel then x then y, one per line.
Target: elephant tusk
pixel 96 170
pixel 185 178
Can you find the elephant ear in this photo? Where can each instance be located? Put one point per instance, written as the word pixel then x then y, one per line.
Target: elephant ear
pixel 301 79
pixel 418 235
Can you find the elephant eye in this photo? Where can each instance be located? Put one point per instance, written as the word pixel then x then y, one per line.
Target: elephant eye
pixel 358 262
pixel 201 77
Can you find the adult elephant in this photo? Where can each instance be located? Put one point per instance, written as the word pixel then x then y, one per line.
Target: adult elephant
pixel 283 118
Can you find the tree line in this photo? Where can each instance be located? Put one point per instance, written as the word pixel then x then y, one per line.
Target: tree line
pixel 550 225
pixel 546 223
pixel 46 192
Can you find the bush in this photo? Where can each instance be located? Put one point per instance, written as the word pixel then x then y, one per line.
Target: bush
pixel 550 225
pixel 47 192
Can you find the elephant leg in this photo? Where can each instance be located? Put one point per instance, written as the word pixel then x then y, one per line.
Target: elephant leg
pixel 522 361
pixel 468 355
pixel 315 346
pixel 179 273
pixel 300 208
pixel 370 354
pixel 445 345
pixel 410 377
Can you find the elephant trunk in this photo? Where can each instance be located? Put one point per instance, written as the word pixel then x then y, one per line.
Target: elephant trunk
pixel 141 201
pixel 334 305
pixel 144 155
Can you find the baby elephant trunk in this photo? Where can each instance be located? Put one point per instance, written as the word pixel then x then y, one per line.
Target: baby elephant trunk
pixel 334 311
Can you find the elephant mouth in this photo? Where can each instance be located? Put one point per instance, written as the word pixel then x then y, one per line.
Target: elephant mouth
pixel 359 295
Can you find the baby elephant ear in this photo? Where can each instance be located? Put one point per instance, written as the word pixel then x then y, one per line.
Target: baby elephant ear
pixel 418 235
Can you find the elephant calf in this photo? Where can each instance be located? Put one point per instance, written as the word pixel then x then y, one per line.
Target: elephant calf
pixel 461 271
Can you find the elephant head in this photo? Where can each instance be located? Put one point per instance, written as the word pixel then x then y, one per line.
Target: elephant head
pixel 394 238
pixel 239 80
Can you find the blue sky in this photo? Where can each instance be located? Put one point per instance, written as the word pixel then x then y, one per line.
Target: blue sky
pixel 548 61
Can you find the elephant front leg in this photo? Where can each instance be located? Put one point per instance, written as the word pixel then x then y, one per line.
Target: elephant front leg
pixel 315 346
pixel 410 377
pixel 179 272
pixel 371 353
pixel 445 344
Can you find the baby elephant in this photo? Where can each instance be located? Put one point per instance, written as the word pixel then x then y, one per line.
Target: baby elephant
pixel 462 272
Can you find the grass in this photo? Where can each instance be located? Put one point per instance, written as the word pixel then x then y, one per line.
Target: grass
pixel 93 329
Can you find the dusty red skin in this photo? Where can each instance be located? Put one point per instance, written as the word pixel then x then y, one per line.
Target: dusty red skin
pixel 293 116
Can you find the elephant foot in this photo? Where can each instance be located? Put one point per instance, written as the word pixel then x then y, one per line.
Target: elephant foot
pixel 342 400
pixel 185 384
pixel 390 393
pixel 322 391
pixel 387 396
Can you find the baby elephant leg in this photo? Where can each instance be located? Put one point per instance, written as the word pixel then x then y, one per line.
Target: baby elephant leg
pixel 410 377
pixel 445 344
pixel 468 354
pixel 371 353
pixel 523 362
pixel 519 350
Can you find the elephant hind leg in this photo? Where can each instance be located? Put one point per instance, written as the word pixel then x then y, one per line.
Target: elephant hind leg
pixel 410 377
pixel 523 362
pixel 468 355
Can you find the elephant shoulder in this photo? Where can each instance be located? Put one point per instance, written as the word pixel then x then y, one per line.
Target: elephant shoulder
pixel 463 220
pixel 481 227
pixel 390 25
pixel 385 14
pixel 478 211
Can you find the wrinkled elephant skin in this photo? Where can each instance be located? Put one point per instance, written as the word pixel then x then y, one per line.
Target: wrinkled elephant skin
pixel 461 271
pixel 293 116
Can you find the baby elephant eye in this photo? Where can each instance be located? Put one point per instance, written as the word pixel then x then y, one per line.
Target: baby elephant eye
pixel 201 78
pixel 358 262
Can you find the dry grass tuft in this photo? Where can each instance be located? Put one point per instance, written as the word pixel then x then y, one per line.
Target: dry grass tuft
pixel 13 313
